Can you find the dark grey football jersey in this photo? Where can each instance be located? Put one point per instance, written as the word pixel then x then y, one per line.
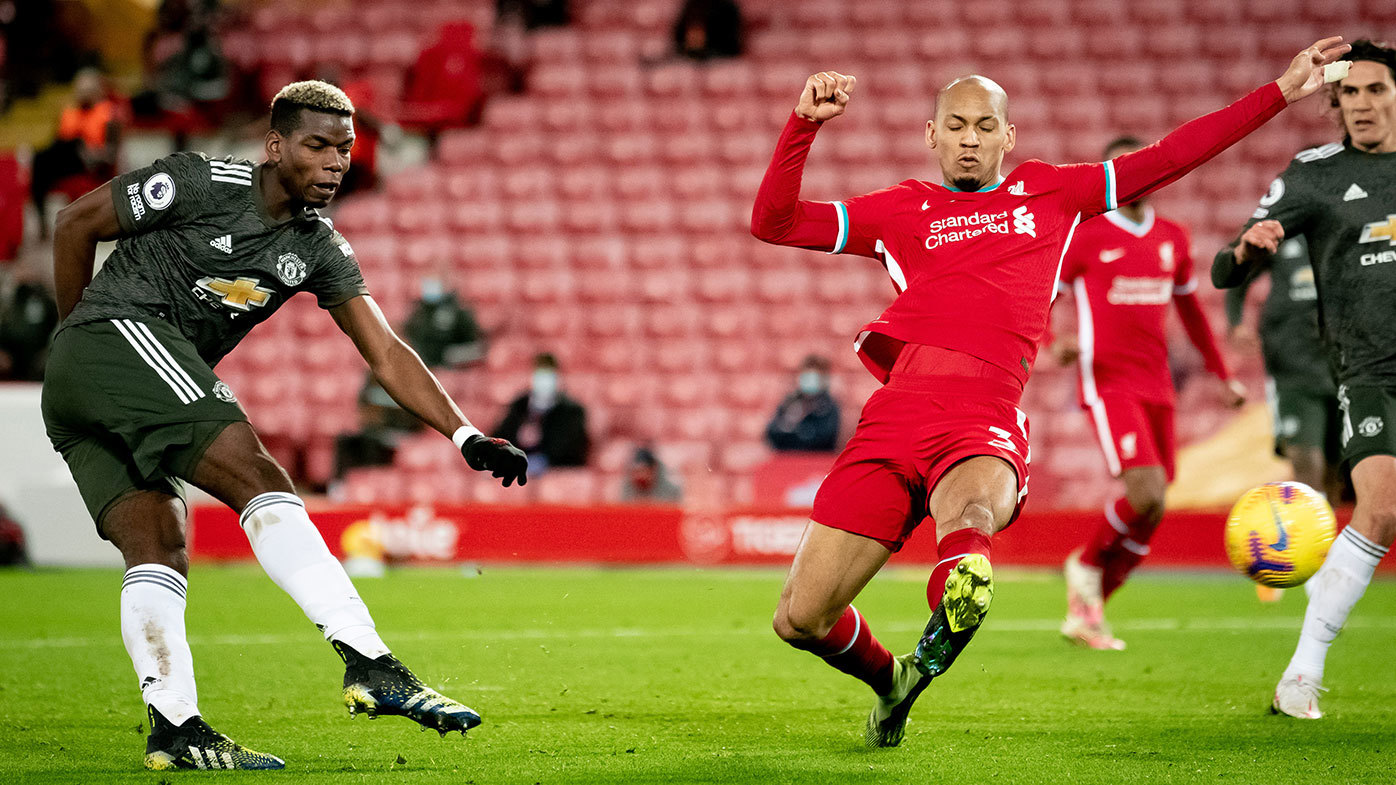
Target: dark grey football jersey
pixel 201 252
pixel 1343 201
pixel 1295 353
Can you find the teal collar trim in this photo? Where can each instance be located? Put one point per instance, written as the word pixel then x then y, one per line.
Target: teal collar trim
pixel 996 184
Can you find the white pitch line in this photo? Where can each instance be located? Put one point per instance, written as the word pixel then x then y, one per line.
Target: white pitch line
pixel 562 635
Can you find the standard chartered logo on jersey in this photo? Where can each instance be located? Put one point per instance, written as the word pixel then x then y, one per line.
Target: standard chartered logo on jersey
pixel 1126 290
pixel 954 228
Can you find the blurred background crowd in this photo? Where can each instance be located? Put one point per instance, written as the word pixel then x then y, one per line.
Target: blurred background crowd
pixel 550 199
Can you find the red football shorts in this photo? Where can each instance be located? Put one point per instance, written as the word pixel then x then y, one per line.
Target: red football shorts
pixel 912 431
pixel 1134 432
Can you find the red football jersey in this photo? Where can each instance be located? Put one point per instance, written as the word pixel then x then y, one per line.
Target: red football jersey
pixel 1124 277
pixel 976 272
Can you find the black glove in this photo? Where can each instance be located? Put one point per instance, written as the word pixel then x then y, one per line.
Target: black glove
pixel 496 456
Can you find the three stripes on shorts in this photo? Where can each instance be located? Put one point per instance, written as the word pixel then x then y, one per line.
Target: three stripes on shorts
pixel 159 359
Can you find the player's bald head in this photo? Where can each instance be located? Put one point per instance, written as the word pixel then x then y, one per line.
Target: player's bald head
pixel 966 93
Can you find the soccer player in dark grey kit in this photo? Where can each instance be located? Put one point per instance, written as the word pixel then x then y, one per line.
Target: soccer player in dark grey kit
pixel 1342 199
pixel 1299 383
pixel 207 249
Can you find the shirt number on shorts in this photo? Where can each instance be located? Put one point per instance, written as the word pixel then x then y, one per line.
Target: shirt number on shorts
pixel 1005 440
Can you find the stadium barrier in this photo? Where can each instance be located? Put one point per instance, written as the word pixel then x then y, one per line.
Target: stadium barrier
pixel 664 535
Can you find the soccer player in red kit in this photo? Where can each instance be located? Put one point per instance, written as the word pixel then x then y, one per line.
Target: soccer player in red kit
pixel 1123 269
pixel 974 259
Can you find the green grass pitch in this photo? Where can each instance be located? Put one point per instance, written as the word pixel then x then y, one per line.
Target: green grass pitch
pixel 673 675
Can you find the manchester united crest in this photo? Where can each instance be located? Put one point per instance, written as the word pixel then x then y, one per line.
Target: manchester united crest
pixel 290 269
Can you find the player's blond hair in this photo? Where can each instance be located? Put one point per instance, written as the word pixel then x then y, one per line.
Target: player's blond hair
pixel 315 94
pixel 312 94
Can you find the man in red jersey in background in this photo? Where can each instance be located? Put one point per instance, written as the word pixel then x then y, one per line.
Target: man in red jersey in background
pixel 1123 269
pixel 974 260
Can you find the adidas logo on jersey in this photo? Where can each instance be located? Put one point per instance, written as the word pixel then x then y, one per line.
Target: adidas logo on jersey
pixel 224 243
pixel 1354 193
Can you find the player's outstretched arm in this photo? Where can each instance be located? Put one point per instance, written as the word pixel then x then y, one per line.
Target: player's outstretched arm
pixel 779 216
pixel 80 226
pixel 1238 264
pixel 417 390
pixel 1139 173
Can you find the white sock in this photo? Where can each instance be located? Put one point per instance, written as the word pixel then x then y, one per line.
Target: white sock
pixel 295 556
pixel 152 627
pixel 1333 591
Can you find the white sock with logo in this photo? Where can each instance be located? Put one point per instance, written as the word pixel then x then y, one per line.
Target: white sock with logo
pixel 152 627
pixel 1333 591
pixel 295 556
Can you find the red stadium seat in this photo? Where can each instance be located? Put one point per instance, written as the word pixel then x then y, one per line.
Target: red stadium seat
pixel 683 457
pixel 666 320
pixel 558 45
pixel 683 354
pixel 686 391
pixel 576 487
pixel 621 319
pixel 722 285
pixel 742 457
pixel 585 183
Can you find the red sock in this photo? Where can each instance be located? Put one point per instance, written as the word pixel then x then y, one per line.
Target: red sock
pixel 952 547
pixel 1105 545
pixel 1130 553
pixel 851 647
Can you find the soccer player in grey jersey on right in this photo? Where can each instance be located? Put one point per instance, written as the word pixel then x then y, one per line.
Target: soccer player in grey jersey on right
pixel 1342 199
pixel 1299 382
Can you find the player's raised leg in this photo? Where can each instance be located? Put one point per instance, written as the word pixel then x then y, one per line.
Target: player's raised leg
pixel 971 503
pixel 149 529
pixel 238 471
pixel 1339 584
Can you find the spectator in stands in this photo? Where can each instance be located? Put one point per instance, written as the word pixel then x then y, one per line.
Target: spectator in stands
pixel 89 133
pixel 647 480
pixel 382 426
pixel 444 333
pixel 186 74
pixel 442 329
pixel 533 14
pixel 28 316
pixel 545 423
pixel 44 41
pixel 808 418
pixel 14 196
pixel 372 129
pixel 444 87
pixel 708 29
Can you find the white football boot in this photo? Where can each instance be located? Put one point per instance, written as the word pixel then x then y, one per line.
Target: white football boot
pixel 1297 696
pixel 1085 609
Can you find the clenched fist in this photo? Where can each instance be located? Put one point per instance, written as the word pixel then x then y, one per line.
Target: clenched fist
pixel 825 96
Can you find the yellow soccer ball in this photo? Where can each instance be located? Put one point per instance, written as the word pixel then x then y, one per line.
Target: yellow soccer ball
pixel 1278 534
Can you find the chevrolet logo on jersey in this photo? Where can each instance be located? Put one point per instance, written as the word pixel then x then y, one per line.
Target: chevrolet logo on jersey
pixel 1381 230
pixel 242 294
